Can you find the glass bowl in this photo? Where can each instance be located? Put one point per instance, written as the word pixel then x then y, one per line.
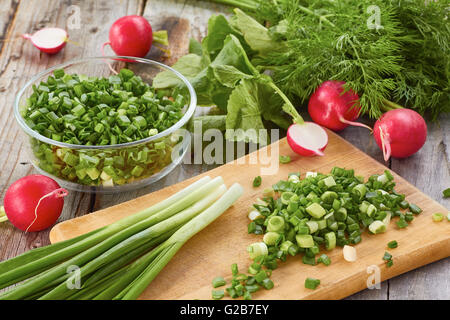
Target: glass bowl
pixel 108 168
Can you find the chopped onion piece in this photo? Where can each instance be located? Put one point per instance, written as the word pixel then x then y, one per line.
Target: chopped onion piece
pixel 349 253
pixel 311 174
pixel 254 214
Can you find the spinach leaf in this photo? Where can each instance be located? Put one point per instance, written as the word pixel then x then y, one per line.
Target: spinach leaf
pixel 255 34
pixel 189 66
pixel 244 113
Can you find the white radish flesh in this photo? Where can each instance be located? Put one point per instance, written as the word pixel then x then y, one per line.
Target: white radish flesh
pixel 307 139
pixel 48 40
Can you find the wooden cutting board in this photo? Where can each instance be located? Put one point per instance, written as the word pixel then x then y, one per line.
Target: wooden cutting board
pixel 211 252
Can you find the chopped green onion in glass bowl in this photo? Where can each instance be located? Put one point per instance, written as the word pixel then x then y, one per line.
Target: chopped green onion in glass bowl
pixel 98 125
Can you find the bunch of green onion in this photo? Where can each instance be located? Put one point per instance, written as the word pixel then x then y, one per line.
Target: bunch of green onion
pixel 120 260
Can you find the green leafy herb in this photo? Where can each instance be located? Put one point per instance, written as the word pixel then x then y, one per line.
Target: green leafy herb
pixel 400 58
pixel 3 216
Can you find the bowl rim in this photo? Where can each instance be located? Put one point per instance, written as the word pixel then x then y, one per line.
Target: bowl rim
pixel 187 115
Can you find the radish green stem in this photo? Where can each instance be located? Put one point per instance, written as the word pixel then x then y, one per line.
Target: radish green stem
pixel 391 105
pixel 175 242
pixel 288 107
pixel 248 5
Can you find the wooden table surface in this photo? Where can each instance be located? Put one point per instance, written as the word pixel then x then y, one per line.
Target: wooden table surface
pixel 88 23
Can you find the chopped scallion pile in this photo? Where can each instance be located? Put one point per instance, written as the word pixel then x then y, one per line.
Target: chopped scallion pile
pixel 301 216
pixel 91 111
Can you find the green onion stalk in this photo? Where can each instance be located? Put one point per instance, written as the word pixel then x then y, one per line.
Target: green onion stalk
pixel 137 239
pixel 131 280
pixel 104 251
pixel 179 238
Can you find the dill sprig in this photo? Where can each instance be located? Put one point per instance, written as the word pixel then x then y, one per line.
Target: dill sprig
pixel 403 60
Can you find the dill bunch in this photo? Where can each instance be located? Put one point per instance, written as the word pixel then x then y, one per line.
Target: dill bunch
pixel 392 52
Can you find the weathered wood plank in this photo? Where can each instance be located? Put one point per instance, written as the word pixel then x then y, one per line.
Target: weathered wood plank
pixel 8 11
pixel 429 170
pixel 18 62
pixel 184 19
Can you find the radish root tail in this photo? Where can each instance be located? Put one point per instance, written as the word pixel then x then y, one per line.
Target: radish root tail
pixel 319 153
pixel 58 193
pixel 385 146
pixel 352 123
pixel 103 54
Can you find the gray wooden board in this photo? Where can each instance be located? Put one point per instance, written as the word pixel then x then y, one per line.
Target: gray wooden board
pixel 428 169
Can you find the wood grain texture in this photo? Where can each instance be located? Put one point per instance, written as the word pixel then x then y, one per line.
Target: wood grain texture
pixel 429 170
pixel 203 257
pixel 19 61
pixel 8 10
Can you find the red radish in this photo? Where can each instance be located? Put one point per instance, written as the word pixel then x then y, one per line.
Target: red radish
pixel 34 202
pixel 400 133
pixel 48 40
pixel 307 139
pixel 130 36
pixel 333 107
